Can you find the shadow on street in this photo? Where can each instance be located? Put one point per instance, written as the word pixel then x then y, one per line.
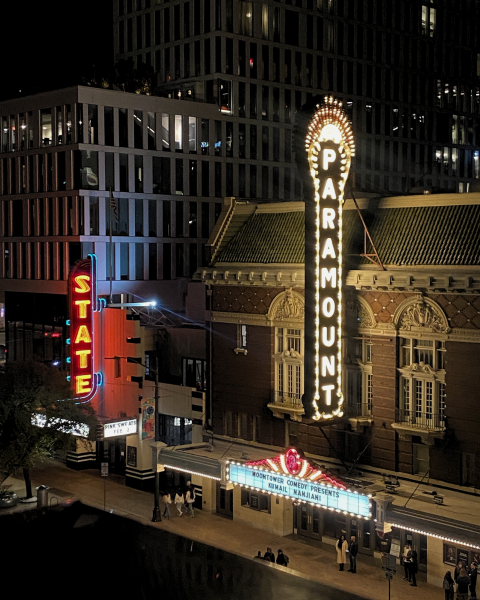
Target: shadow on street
pixel 80 552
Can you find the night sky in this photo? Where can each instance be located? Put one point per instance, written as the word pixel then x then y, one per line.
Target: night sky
pixel 51 45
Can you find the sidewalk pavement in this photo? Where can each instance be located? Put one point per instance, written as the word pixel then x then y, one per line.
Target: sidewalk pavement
pixel 314 562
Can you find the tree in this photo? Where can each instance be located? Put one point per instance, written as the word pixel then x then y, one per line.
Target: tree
pixel 37 416
pixel 124 76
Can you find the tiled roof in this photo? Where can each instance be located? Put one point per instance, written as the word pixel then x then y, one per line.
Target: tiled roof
pixel 268 238
pixel 413 235
pixel 420 235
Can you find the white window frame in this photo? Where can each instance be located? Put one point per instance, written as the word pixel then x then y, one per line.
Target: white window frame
pixel 359 380
pixel 422 384
pixel 289 365
pixel 241 339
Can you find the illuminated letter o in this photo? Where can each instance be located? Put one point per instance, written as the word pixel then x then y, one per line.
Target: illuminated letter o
pixel 328 307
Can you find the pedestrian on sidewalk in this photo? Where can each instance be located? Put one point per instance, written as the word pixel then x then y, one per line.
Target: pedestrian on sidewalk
pixel 472 574
pixel 190 498
pixel 269 555
pixel 168 500
pixel 259 555
pixel 414 568
pixel 179 501
pixel 282 559
pixel 342 548
pixel 462 582
pixel 456 573
pixel 352 552
pixel 448 584
pixel 407 560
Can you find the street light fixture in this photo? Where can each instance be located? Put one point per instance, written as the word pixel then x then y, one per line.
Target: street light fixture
pixel 130 304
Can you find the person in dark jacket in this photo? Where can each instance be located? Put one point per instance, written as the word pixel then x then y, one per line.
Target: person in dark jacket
pixel 472 574
pixel 269 555
pixel 353 551
pixel 448 585
pixel 463 582
pixel 414 568
pixel 282 559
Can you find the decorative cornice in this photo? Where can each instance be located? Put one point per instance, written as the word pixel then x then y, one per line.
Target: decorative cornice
pixel 442 281
pixel 243 318
pixel 262 275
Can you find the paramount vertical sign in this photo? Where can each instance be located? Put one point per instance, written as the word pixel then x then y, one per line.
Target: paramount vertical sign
pixel 330 146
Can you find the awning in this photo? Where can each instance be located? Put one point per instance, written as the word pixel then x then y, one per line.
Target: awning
pixel 449 530
pixel 190 463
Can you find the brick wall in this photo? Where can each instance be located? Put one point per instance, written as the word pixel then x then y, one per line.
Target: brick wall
pixel 462 413
pixel 243 383
pixel 384 358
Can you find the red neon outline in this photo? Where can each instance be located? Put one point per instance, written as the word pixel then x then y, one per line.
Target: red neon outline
pixel 311 473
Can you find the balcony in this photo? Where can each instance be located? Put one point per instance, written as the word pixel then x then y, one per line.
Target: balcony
pixel 428 426
pixel 359 414
pixel 282 403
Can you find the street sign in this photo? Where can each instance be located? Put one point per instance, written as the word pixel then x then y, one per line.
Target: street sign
pixel 389 562
pixel 395 548
pixel 104 469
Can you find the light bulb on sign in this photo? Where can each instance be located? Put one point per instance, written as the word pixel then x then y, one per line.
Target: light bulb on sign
pixel 329 146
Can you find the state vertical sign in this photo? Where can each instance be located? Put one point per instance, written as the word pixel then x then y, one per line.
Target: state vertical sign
pixel 330 146
pixel 83 303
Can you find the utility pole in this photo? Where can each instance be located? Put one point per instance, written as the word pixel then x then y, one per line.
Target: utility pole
pixel 157 516
pixel 156 509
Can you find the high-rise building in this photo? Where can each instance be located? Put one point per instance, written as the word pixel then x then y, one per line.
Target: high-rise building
pixel 87 170
pixel 407 72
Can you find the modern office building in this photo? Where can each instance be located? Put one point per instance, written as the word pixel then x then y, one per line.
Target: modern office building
pixel 91 171
pixel 407 72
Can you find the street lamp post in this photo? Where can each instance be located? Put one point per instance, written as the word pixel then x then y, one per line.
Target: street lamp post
pixel 156 509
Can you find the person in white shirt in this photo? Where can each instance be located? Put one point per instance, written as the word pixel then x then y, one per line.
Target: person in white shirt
pixel 190 498
pixel 179 502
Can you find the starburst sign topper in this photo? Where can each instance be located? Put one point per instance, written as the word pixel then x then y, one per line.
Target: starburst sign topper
pixel 330 146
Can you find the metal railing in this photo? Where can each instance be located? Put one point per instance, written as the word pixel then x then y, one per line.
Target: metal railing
pixel 420 420
pixel 287 398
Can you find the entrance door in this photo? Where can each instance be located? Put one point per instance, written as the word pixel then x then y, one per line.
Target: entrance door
pixel 308 521
pixel 361 529
pixel 113 452
pixel 224 502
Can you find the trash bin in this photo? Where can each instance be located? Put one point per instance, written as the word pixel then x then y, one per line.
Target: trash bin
pixel 42 497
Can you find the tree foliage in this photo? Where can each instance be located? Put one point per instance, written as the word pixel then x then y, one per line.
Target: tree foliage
pixel 29 388
pixel 124 76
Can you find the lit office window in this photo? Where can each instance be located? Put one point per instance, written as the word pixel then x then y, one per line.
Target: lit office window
pixel 246 18
pixel 429 20
pixel 178 133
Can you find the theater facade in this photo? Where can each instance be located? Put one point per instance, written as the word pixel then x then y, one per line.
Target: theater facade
pixel 406 440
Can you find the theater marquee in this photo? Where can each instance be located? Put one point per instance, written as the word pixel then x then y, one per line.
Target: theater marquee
pixel 291 476
pixel 330 146
pixel 84 303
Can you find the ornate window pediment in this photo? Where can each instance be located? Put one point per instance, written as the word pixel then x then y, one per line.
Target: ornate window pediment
pixel 287 306
pixel 287 313
pixel 420 314
pixel 365 314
